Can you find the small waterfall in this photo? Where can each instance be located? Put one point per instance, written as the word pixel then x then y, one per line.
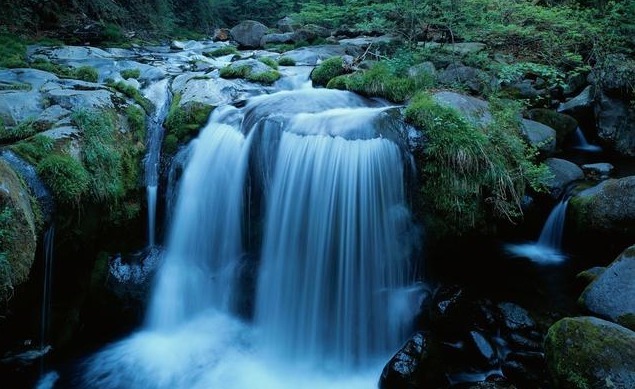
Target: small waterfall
pixel 159 95
pixel 547 250
pixel 47 251
pixel 580 142
pixel 179 162
pixel 329 310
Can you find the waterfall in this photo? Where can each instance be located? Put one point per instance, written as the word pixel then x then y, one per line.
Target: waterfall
pixel 580 142
pixel 47 257
pixel 547 249
pixel 159 95
pixel 301 193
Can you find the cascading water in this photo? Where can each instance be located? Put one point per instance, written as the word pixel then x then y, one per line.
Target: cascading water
pixel 328 173
pixel 547 250
pixel 47 249
pixel 580 142
pixel 159 95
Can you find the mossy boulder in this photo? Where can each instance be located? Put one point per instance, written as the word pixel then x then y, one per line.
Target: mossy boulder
pixel 564 125
pixel 587 352
pixel 608 208
pixel 18 232
pixel 330 69
pixel 251 70
pixel 612 294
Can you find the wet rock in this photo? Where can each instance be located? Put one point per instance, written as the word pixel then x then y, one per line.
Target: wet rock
pixel 515 317
pixel 473 109
pixel 70 99
pixel 476 80
pixel 287 37
pixel 564 125
pixel 363 42
pixel 587 352
pixel 616 124
pixel 51 116
pixel 612 294
pixel 462 48
pixel 580 105
pixel 486 354
pixel 221 34
pixel 315 54
pixel 424 68
pixel 526 369
pixel 564 173
pixel 402 371
pixel 540 136
pixel 285 24
pixel 590 275
pixel 17 105
pixel 597 171
pixel 520 342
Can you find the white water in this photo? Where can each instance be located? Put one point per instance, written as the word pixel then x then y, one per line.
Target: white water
pixel 582 144
pixel 333 299
pixel 159 95
pixel 547 250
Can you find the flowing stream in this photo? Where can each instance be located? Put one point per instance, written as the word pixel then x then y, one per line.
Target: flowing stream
pixel 302 194
pixel 580 142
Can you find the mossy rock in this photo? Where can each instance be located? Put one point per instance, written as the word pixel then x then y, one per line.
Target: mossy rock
pixel 184 122
pixel 564 125
pixel 328 70
pixel 18 232
pixel 588 353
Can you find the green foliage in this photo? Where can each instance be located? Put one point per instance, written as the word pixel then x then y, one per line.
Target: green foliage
pixel 23 130
pixel 510 74
pixel 86 73
pixel 328 70
pixel 12 51
pixel 66 177
pixel 227 50
pixel 235 72
pixel 472 174
pixel 269 62
pixel 131 73
pixel 382 81
pixel 34 149
pixel 286 61
pixel 137 120
pixel 266 78
pixel 133 93
pixel 184 122
pixel 6 238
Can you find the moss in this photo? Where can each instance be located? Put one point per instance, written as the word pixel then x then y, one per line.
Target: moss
pixel 265 78
pixel 136 120
pixel 131 73
pixel 286 61
pixel 269 62
pixel 133 93
pixel 227 50
pixel 481 172
pixel 184 122
pixel 381 81
pixel 170 144
pixel 563 124
pixel 235 72
pixel 15 86
pixel 34 149
pixel 66 177
pixel 328 70
pixel 86 73
pixel 23 130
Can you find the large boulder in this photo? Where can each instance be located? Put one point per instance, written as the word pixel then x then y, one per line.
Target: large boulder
pixel 608 207
pixel 540 136
pixel 580 105
pixel 616 124
pixel 612 294
pixel 248 33
pixel 18 232
pixel 403 369
pixel 474 79
pixel 588 352
pixel 473 109
pixel 564 125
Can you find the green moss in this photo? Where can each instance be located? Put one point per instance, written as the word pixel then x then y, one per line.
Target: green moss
pixel 170 144
pixel 382 81
pixel 269 62
pixel 131 73
pixel 265 78
pixel 227 50
pixel 184 122
pixel 137 120
pixel 34 149
pixel 133 93
pixel 563 124
pixel 286 61
pixel 328 70
pixel 23 130
pixel 482 173
pixel 66 177
pixel 235 72
pixel 85 73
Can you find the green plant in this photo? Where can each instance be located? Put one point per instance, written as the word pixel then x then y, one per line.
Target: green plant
pixel 269 62
pixel 134 94
pixel 12 51
pixel 85 73
pixel 512 73
pixel 235 72
pixel 23 130
pixel 66 177
pixel 328 70
pixel 34 149
pixel 184 121
pixel 137 120
pixel 131 73
pixel 267 78
pixel 286 61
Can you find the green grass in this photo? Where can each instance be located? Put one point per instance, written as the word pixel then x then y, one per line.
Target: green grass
pixel 272 63
pixel 34 149
pixel 266 78
pixel 15 86
pixel 12 51
pixel 328 70
pixel 286 61
pixel 133 93
pixel 482 173
pixel 23 130
pixel 184 122
pixel 66 177
pixel 131 73
pixel 84 73
pixel 137 120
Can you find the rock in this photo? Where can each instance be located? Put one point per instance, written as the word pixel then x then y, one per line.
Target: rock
pixel 314 54
pixel 285 24
pixel 580 105
pixel 66 54
pixel 564 172
pixel 51 116
pixel 476 80
pixel 287 37
pixel 587 352
pixel 248 33
pixel 597 171
pixel 17 105
pixel 525 89
pixel 515 317
pixel 608 207
pixel 364 42
pixel 526 369
pixel 616 124
pixel 19 232
pixel 462 48
pixel 402 369
pixel 590 275
pixel 612 294
pixel 615 74
pixel 86 99
pixel 473 109
pixel 422 69
pixel 486 355
pixel 540 136
pixel 564 125
pixel 177 45
pixel 221 35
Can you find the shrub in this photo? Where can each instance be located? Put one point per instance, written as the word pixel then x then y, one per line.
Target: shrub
pixel 131 73
pixel 66 177
pixel 286 61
